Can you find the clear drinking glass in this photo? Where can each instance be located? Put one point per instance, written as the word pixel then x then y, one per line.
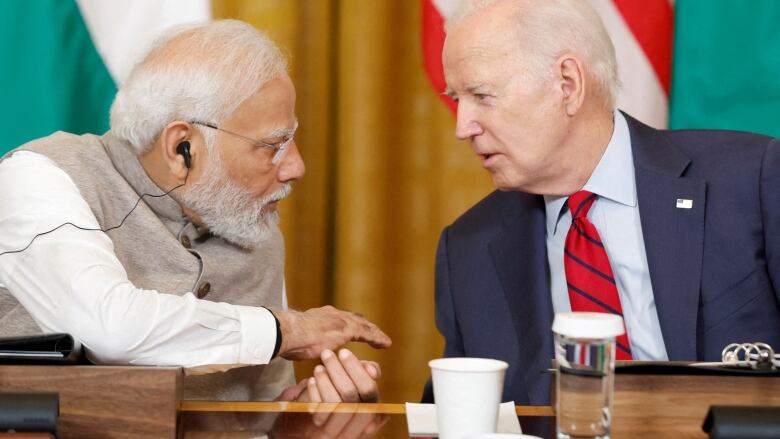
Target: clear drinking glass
pixel 585 357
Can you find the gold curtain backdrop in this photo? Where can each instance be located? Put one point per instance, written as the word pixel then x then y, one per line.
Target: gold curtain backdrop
pixel 384 172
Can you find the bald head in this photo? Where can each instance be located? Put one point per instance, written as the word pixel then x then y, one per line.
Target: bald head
pixel 199 72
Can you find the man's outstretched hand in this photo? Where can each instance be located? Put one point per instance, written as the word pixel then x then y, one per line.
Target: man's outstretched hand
pixel 305 335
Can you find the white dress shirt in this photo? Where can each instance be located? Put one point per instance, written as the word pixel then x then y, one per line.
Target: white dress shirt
pixel 71 281
pixel 616 217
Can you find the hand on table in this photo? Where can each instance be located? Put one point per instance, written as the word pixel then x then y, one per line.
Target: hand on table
pixel 307 334
pixel 342 378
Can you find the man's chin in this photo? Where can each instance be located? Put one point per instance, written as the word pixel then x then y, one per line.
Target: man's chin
pixel 248 237
pixel 502 183
pixel 244 241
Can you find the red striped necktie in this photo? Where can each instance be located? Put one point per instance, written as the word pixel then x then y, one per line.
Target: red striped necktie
pixel 589 276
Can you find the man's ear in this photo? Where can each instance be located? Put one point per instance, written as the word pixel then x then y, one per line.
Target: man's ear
pixel 571 77
pixel 178 156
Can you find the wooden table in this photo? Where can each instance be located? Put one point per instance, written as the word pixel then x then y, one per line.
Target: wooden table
pixel 646 405
pixel 674 404
pixel 99 402
pixel 212 419
pixel 129 402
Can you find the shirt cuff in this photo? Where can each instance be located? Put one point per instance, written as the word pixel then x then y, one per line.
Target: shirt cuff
pixel 258 335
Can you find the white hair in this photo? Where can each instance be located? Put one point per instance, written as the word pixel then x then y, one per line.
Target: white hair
pixel 201 72
pixel 547 29
pixel 229 210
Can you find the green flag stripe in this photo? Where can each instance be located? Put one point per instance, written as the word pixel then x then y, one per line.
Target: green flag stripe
pixel 726 64
pixel 52 77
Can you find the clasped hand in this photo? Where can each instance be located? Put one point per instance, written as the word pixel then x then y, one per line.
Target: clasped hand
pixel 340 378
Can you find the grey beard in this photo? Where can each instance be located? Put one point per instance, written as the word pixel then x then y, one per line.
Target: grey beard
pixel 230 211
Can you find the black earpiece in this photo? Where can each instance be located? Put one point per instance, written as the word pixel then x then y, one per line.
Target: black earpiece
pixel 183 148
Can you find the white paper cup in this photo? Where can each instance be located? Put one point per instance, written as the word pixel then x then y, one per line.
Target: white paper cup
pixel 468 392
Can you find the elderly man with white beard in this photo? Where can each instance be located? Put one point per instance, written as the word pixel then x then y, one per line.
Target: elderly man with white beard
pixel 157 243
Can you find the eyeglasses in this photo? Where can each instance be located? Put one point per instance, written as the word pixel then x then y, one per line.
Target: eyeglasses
pixel 278 148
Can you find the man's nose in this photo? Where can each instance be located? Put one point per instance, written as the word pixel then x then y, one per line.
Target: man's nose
pixel 291 167
pixel 466 126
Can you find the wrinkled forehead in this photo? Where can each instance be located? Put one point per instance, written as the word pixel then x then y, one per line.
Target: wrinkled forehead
pixel 478 50
pixel 268 111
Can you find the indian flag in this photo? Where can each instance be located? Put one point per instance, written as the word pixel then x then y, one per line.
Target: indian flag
pixel 62 60
pixel 683 63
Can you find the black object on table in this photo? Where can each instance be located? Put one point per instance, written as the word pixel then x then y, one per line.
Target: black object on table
pixel 29 412
pixel 742 422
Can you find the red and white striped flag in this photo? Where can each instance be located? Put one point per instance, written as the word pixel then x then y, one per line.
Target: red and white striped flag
pixel 641 31
pixel 434 12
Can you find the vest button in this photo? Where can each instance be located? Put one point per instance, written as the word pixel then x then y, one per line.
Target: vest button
pixel 203 290
pixel 185 241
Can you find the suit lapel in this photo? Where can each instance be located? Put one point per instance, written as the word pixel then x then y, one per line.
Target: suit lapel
pixel 520 257
pixel 673 235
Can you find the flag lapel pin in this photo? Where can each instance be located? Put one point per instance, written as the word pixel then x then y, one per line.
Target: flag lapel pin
pixel 683 203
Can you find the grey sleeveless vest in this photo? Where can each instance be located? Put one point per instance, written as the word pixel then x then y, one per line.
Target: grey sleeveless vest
pixel 161 250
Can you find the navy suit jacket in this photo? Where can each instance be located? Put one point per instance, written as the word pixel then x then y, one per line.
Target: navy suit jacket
pixel 714 268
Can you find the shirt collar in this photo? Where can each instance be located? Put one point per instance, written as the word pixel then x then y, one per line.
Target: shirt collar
pixel 553 205
pixel 613 177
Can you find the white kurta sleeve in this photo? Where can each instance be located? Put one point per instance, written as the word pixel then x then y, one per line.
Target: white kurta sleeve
pixel 71 281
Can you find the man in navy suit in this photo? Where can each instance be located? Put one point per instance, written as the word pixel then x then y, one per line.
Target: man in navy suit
pixel 689 220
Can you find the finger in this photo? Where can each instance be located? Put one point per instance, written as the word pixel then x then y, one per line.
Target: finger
pixel 366 386
pixel 336 424
pixel 312 391
pixel 370 333
pixel 292 393
pixel 363 330
pixel 339 377
pixel 304 395
pixel 356 425
pixel 372 368
pixel 320 418
pixel 328 393
pixel 378 421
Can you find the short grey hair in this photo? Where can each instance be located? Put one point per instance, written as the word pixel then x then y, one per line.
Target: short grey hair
pixel 549 28
pixel 202 72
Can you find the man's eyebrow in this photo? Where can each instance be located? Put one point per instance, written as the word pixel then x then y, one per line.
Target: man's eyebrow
pixel 283 132
pixel 471 89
